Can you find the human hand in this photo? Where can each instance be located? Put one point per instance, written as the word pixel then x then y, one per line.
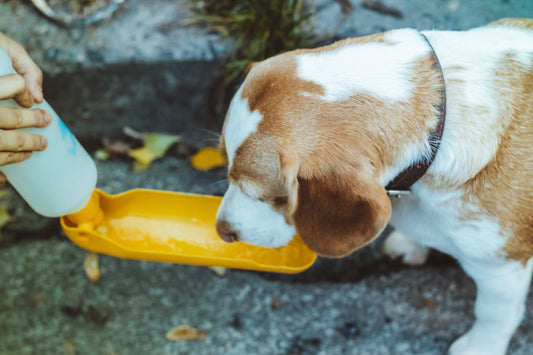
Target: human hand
pixel 25 87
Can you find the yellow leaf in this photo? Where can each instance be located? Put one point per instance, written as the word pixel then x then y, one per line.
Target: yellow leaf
pixel 5 217
pixel 142 155
pixel 185 332
pixel 90 265
pixel 139 167
pixel 3 193
pixel 101 154
pixel 218 270
pixel 155 146
pixel 70 347
pixel 208 158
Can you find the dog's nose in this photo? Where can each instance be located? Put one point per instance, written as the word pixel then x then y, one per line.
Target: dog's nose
pixel 225 231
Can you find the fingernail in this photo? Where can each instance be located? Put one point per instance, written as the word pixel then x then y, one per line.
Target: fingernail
pixel 44 143
pixel 39 94
pixel 47 117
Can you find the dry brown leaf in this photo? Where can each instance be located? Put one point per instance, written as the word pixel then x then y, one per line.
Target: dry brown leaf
pixel 117 147
pixel 429 303
pixel 38 299
pixel 186 332
pixel 276 303
pixel 90 265
pixel 70 347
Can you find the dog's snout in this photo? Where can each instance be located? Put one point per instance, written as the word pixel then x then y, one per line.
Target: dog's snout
pixel 226 232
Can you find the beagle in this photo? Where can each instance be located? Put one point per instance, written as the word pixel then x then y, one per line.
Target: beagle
pixel 316 139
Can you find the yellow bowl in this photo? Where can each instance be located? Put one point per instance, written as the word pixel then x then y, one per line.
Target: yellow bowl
pixel 173 227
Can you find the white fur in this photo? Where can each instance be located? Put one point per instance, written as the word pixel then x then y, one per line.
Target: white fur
pixel 471 135
pixel 345 72
pixel 268 228
pixel 397 245
pixel 239 206
pixel 502 287
pixel 240 124
pixel 425 218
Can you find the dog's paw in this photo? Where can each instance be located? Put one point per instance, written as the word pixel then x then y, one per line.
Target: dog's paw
pixel 397 245
pixel 464 346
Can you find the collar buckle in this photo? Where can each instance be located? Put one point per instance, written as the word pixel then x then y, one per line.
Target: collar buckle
pixel 398 193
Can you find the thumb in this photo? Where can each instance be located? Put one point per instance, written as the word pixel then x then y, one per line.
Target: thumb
pixel 25 66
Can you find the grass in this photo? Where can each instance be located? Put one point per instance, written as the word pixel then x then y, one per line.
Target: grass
pixel 260 28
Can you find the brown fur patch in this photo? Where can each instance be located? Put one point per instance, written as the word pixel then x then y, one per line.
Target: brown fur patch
pixel 303 144
pixel 339 214
pixel 504 188
pixel 524 23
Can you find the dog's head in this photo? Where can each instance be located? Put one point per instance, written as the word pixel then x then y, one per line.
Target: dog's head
pixel 305 153
pixel 291 172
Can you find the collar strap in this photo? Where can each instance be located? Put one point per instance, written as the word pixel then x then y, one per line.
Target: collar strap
pixel 402 183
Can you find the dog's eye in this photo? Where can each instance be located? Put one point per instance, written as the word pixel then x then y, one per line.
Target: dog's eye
pixel 280 200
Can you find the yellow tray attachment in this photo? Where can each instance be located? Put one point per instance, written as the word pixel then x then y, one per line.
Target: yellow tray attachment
pixel 172 227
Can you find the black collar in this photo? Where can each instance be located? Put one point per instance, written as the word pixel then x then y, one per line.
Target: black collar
pixel 402 183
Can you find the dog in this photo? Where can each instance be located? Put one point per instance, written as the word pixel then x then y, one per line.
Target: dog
pixel 317 139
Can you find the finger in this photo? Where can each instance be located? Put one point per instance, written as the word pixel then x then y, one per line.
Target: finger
pixel 17 141
pixel 3 178
pixel 13 157
pixel 14 86
pixel 25 66
pixel 12 118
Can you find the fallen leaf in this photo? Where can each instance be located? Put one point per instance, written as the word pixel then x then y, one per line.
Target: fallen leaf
pixel 276 303
pixel 429 303
pixel 130 132
pixel 208 158
pixel 38 299
pixel 381 8
pixel 90 265
pixel 4 193
pixel 5 217
pixel 70 347
pixel 101 154
pixel 185 332
pixel 155 146
pixel 219 270
pixel 116 147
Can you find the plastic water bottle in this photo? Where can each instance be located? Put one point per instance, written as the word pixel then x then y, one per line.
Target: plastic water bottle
pixel 59 180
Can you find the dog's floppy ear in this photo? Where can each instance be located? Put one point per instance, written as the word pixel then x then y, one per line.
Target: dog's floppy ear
pixel 336 216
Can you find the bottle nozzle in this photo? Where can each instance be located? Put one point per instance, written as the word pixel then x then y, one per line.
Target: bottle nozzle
pixel 89 216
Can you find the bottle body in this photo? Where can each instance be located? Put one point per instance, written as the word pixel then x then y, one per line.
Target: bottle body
pixel 59 180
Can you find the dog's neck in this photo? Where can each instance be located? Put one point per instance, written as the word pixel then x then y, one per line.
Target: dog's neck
pixel 402 183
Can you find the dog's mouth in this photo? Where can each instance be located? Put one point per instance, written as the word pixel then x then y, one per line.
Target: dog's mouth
pixel 225 232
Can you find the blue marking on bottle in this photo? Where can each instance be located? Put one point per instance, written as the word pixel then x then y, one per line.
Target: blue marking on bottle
pixel 66 132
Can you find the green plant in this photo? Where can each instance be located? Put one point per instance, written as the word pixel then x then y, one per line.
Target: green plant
pixel 260 28
pixel 80 4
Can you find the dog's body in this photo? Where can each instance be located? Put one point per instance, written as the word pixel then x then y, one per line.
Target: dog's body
pixel 314 136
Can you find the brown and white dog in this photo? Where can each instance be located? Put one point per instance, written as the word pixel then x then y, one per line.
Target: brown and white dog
pixel 313 137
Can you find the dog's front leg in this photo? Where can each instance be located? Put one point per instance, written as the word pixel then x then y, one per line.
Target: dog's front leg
pixel 398 245
pixel 502 287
